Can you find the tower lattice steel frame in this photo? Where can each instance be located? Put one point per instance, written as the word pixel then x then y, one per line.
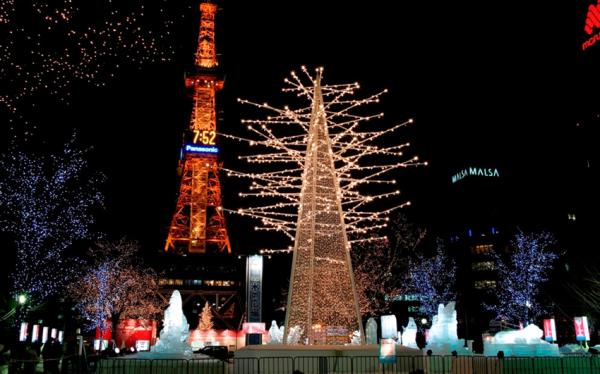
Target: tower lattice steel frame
pixel 198 225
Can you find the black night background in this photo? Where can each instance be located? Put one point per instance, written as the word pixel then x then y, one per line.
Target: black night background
pixel 501 85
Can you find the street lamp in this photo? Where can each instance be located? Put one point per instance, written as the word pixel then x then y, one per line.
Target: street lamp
pixel 22 299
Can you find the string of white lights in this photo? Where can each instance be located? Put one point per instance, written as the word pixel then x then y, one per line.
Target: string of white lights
pixel 361 159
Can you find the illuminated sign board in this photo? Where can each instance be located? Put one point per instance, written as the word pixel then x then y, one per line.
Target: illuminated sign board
pixel 254 327
pixel 193 148
pixel 60 336
pixel 206 137
pixel 142 345
pixel 475 171
pixel 100 344
pixel 582 331
pixel 387 351
pixel 592 26
pixel 254 274
pixel 44 334
pixel 550 330
pixel 53 333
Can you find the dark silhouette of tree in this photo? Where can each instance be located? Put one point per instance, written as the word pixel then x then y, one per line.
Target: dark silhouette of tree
pixel 380 268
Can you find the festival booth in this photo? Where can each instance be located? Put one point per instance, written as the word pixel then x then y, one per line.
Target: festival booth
pixel 138 333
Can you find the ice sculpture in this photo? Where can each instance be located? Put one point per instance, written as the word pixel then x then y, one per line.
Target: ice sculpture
pixel 371 333
pixel 174 335
pixel 294 335
pixel 409 334
pixel 443 338
pixel 529 335
pixel 526 342
pixel 275 333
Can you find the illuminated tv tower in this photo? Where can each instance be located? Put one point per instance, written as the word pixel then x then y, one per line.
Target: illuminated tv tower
pixel 198 224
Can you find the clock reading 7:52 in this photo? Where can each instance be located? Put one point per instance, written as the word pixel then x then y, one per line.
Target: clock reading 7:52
pixel 206 137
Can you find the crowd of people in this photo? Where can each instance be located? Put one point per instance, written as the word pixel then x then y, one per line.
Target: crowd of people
pixel 29 358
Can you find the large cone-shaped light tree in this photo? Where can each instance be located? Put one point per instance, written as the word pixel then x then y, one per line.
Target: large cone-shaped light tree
pixel 313 194
pixel 322 290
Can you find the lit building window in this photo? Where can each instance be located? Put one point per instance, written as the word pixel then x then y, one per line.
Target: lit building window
pixel 482 249
pixel 484 284
pixel 482 266
pixel 170 282
pixel 219 283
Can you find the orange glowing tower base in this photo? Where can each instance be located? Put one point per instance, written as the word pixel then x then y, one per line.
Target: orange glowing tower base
pixel 198 225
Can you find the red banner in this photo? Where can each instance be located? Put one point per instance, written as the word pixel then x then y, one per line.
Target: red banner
pixel 582 332
pixel 550 330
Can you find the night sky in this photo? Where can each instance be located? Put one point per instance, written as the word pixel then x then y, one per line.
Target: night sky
pixel 497 84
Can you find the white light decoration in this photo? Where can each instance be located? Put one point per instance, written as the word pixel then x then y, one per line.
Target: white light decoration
pixel 309 183
pixel 23 331
pixel 35 333
pixel 44 334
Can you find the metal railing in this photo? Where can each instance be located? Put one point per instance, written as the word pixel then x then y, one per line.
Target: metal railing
pixel 356 365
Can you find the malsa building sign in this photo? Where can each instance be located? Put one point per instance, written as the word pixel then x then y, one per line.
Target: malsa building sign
pixel 475 171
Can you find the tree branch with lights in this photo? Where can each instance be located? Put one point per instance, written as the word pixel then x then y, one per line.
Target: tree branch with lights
pixel 361 156
pixel 521 275
pixel 115 286
pixel 47 201
pixel 433 279
pixel 380 268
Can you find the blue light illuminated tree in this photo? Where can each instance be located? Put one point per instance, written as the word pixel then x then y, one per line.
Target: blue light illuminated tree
pixel 46 201
pixel 521 275
pixel 433 279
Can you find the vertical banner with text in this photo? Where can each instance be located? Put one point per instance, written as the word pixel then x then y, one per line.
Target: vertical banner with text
pixel 254 272
pixel 582 332
pixel 550 330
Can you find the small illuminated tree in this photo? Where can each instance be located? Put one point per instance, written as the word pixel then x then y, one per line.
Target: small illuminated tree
pixel 115 286
pixel 521 275
pixel 206 318
pixel 310 181
pixel 433 279
pixel 46 202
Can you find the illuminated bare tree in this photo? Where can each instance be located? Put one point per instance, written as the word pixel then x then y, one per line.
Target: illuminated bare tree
pixel 380 268
pixel 521 275
pixel 433 279
pixel 46 201
pixel 115 286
